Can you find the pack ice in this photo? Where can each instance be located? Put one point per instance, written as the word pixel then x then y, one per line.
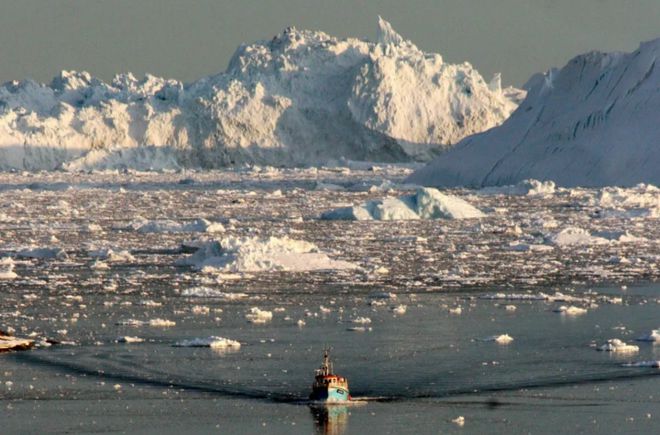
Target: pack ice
pixel 303 97
pixel 592 123
pixel 425 203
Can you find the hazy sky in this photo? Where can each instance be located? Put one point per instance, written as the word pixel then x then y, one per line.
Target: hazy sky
pixel 187 39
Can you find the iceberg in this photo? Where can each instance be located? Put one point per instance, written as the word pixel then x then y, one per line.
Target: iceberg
pixel 425 203
pixel 592 123
pixel 300 98
pixel 254 254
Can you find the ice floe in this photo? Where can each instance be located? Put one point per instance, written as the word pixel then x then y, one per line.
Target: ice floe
pixel 151 322
pixel 649 364
pixel 524 187
pixel 399 309
pixel 7 268
pixel 256 315
pixel 169 226
pixel 361 320
pixel 112 256
pixel 571 310
pixel 207 292
pixel 575 236
pixel 618 346
pixel 499 339
pixel 212 342
pixel 129 339
pixel 653 336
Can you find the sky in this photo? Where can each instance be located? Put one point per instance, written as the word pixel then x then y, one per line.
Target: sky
pixel 189 39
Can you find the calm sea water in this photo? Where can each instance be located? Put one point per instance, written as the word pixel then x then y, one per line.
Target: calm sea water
pixel 414 373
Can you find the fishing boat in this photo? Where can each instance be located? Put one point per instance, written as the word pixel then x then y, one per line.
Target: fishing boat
pixel 329 387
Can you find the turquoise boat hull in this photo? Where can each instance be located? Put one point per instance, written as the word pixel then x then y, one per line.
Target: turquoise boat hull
pixel 331 394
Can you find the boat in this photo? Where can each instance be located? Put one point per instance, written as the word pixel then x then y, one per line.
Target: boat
pixel 329 387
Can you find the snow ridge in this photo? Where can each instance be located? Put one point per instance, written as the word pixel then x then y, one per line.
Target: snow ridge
pixel 301 98
pixel 592 123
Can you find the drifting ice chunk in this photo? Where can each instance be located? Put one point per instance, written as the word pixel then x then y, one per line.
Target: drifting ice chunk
pixel 206 292
pixel 167 226
pixel 259 316
pixel 129 339
pixel 233 254
pixel 618 346
pixel 361 320
pixel 499 339
pixel 653 336
pixel 575 236
pixel 651 364
pixel 399 310
pixel 212 342
pixel 426 203
pixel 525 187
pixel 7 269
pixel 113 256
pixel 571 310
pixel 150 322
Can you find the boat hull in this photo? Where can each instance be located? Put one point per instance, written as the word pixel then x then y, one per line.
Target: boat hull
pixel 330 394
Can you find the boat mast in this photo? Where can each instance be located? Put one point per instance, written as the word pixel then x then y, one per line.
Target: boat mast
pixel 327 365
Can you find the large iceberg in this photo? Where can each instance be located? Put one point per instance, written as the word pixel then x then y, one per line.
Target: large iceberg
pixel 301 98
pixel 595 122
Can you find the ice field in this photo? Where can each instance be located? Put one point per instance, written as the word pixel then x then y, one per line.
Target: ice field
pixel 176 300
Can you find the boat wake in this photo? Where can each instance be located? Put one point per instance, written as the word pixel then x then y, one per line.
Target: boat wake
pixel 229 389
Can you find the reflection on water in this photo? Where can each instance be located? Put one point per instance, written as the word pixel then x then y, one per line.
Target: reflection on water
pixel 330 419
